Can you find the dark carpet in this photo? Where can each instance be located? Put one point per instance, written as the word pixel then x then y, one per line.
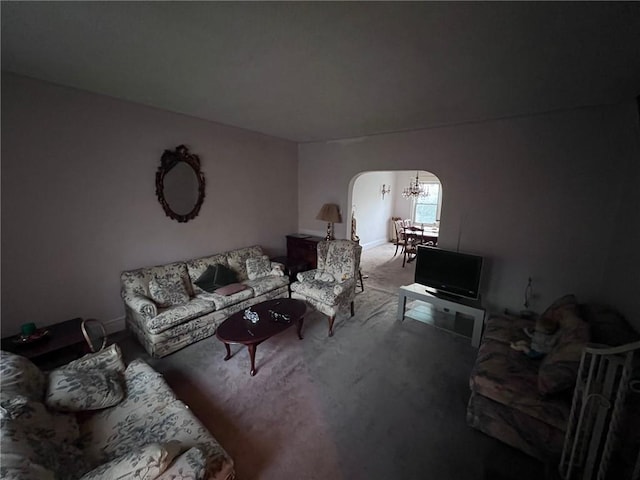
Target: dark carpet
pixel 382 399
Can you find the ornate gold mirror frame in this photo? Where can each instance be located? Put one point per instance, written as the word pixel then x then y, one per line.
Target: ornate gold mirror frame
pixel 169 160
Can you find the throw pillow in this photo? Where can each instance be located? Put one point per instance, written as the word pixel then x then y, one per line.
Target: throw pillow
pixel 167 293
pixel 559 369
pixel 74 391
pixel 258 267
pixel 561 302
pixel 206 281
pixel 109 359
pixel 324 276
pixel 224 276
pixel 145 463
pixel 230 289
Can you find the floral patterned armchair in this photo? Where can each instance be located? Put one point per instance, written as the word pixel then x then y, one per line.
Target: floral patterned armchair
pixel 331 287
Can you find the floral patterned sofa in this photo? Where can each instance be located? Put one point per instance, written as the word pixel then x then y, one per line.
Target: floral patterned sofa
pixel 167 310
pixel 525 402
pixel 95 419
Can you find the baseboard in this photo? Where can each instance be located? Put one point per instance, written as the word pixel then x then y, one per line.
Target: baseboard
pixel 375 243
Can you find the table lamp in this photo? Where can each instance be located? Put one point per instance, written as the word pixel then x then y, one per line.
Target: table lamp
pixel 330 213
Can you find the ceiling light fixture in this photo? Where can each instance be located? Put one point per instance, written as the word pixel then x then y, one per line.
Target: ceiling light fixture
pixel 415 189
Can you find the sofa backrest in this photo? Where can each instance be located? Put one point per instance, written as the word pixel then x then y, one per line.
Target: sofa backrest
pixel 136 282
pixel 238 260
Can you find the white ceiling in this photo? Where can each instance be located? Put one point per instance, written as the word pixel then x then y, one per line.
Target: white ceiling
pixel 318 71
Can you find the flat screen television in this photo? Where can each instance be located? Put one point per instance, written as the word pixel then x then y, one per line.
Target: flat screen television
pixel 449 272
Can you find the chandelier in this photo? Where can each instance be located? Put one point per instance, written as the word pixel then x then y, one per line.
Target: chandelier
pixel 415 189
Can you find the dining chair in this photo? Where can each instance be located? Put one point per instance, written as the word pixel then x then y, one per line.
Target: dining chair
pixel 414 236
pixel 94 334
pixel 400 236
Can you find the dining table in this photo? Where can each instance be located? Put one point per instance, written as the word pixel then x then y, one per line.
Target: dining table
pixel 414 236
pixel 420 235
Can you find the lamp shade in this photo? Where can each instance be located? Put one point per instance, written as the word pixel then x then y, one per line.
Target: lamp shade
pixel 330 212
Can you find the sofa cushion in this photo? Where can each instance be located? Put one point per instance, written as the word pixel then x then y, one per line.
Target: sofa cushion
pixel 167 292
pixel 510 377
pixel 154 423
pixel 75 391
pixel 223 301
pixel 260 286
pixel 147 392
pixel 258 267
pixel 317 290
pixel 144 463
pixel 559 368
pixel 19 376
pixel 34 416
pixel 32 437
pixel 176 315
pixel 506 328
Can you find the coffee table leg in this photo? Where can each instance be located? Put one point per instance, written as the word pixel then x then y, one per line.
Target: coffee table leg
pixel 226 345
pixel 300 322
pixel 252 355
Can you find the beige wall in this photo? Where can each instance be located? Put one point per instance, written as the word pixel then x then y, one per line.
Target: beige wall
pixel 537 196
pixel 79 203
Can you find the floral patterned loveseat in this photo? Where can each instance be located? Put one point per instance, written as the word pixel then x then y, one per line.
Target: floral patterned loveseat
pixel 525 402
pixel 95 419
pixel 167 310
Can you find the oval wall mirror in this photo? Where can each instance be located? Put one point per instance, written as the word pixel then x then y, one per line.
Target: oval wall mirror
pixel 180 184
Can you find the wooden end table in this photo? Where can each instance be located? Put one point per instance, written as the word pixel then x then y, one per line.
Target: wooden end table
pixel 237 329
pixel 65 335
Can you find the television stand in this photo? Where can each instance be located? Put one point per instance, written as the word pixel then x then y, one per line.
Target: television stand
pixel 458 315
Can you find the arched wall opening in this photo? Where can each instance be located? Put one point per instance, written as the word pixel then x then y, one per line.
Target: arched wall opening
pixel 376 197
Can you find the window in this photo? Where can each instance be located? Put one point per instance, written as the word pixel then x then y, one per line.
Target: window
pixel 425 208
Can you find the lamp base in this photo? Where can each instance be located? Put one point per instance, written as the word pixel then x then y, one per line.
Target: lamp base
pixel 329 232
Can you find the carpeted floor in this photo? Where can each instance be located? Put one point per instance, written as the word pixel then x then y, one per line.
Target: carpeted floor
pixel 382 399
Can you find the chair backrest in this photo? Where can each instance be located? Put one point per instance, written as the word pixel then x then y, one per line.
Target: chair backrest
pixel 341 258
pixel 407 222
pixel 399 224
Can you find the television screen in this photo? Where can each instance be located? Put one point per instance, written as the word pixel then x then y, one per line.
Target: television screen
pixel 449 272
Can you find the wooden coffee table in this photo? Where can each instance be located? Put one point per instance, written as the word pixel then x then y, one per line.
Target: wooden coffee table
pixel 237 329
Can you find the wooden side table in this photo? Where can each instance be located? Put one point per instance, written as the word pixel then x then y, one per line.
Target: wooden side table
pixel 303 248
pixel 64 336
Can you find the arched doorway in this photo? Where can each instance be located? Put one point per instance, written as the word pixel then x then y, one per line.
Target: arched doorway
pixel 377 197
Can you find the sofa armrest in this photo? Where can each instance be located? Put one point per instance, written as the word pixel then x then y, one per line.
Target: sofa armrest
pixel 344 287
pixel 142 305
pixel 306 276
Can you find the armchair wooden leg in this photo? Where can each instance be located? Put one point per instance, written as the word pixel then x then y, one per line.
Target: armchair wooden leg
pixel 352 310
pixel 331 320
